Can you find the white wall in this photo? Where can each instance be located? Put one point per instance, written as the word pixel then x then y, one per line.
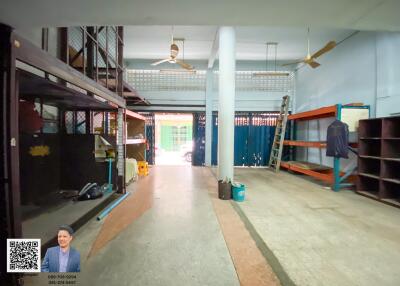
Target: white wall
pixel 347 74
pixel 365 68
pixel 388 74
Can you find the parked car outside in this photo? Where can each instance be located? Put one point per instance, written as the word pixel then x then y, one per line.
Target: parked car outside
pixel 186 151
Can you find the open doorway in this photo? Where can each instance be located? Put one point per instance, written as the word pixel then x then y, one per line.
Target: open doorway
pixel 173 138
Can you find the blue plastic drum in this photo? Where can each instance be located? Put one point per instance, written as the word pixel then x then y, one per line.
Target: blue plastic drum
pixel 238 192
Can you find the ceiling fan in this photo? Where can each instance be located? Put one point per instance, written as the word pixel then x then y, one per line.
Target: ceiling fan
pixel 174 50
pixel 310 59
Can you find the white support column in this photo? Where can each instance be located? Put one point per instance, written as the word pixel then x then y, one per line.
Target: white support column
pixel 209 110
pixel 226 108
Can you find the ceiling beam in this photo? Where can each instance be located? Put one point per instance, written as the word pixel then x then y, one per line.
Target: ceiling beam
pixel 214 50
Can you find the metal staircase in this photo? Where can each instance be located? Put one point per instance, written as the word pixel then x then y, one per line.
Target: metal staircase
pixel 277 145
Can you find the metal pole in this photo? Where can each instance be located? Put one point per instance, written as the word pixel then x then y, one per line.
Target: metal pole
pixel 90 53
pixel 120 59
pixel 106 57
pixel 111 207
pixel 83 50
pixel 209 110
pixel 110 175
pixel 336 160
pixel 13 142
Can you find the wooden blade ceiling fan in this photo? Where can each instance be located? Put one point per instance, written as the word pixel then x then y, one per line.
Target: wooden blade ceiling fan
pixel 174 51
pixel 310 59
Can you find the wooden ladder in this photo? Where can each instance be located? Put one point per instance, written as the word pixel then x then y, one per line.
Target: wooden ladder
pixel 277 145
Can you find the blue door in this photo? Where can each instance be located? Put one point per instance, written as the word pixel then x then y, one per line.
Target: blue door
pixel 150 137
pixel 254 132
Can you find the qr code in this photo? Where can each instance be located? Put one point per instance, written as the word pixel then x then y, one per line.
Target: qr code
pixel 23 255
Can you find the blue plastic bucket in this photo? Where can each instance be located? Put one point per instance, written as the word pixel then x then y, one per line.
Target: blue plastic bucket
pixel 238 192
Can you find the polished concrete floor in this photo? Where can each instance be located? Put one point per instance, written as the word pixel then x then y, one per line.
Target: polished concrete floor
pixel 173 230
pixel 169 235
pixel 44 225
pixel 166 233
pixel 320 237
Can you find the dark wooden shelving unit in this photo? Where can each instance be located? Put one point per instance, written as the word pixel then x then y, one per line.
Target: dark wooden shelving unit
pixel 379 159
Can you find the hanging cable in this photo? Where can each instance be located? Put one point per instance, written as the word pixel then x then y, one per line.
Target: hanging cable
pixel 337 44
pixel 266 57
pixel 276 54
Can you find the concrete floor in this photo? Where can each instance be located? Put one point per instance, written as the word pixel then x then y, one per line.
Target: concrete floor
pixel 171 158
pixel 45 225
pixel 320 237
pixel 165 233
pixel 176 241
pixel 174 231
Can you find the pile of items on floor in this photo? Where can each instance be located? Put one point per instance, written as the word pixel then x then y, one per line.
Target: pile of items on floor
pixel 90 191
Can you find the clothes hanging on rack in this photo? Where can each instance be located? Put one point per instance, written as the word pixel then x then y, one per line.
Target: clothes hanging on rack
pixel 337 140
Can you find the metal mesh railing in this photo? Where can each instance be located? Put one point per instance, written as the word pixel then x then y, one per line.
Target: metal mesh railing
pixel 69 122
pixel 75 35
pixel 97 122
pixel 75 122
pixel 100 122
pixel 80 127
pixel 108 44
pixel 101 43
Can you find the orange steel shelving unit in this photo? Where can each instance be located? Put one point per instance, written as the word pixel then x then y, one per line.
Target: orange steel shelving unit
pixel 333 175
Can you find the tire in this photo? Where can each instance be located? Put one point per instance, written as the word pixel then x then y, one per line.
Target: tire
pixel 188 157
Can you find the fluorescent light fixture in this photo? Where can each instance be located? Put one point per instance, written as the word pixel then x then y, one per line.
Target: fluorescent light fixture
pixel 264 74
pixel 268 72
pixel 174 71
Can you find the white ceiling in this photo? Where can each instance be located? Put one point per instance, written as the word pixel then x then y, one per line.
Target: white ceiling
pixel 197 21
pixel 347 14
pixel 152 42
